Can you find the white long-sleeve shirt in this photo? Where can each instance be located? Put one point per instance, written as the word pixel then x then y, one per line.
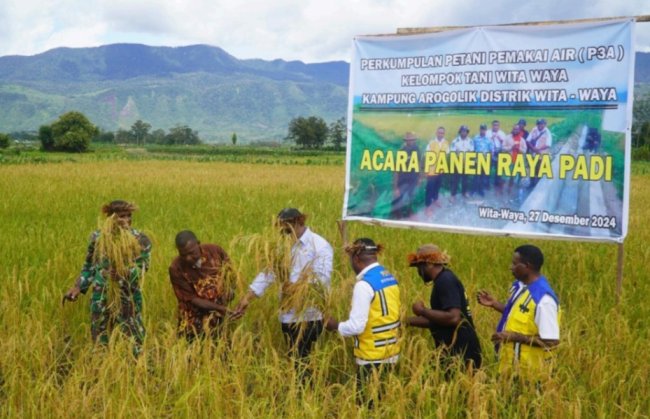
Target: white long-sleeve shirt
pixel 362 296
pixel 310 251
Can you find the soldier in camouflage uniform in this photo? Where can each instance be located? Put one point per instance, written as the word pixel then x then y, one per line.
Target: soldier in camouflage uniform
pixel 100 274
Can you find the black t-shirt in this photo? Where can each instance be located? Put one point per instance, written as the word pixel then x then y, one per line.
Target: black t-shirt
pixel 448 292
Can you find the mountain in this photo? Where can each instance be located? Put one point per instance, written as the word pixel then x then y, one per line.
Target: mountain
pixel 201 86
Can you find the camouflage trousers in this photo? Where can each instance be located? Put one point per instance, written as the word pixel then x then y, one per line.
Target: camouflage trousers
pixel 125 314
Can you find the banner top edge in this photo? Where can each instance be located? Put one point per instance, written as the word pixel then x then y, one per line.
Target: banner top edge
pixel 439 29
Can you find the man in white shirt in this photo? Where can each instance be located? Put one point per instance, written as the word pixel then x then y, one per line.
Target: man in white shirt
pixel 497 137
pixel 374 320
pixel 539 141
pixel 311 260
pixel 461 144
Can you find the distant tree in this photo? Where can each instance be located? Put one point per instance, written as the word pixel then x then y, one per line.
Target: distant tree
pixel 105 137
pixel 5 140
pixel 73 132
pixel 140 131
pixel 233 139
pixel 643 137
pixel 73 140
pixel 123 136
pixel 337 133
pixel 46 138
pixel 640 118
pixel 308 132
pixel 158 136
pixel 182 135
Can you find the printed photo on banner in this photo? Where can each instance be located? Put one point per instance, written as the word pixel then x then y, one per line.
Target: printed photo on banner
pixel 525 134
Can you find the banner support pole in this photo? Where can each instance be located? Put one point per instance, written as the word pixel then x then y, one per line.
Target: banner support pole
pixel 619 272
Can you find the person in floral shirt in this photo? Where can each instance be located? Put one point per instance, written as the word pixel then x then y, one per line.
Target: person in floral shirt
pixel 200 278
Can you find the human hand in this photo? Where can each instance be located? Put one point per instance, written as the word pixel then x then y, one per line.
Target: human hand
pixel 240 310
pixel 71 294
pixel 331 324
pixel 418 308
pixel 484 298
pixel 236 314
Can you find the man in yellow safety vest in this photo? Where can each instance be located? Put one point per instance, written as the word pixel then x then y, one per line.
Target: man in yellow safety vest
pixel 374 320
pixel 529 327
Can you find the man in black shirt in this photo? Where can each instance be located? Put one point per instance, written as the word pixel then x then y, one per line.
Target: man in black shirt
pixel 449 319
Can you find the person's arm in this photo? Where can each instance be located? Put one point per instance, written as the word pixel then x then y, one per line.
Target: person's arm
pixel 450 317
pixel 448 290
pixel 261 282
pixel 546 319
pixel 208 305
pixel 84 280
pixel 183 291
pixel 418 321
pixel 504 337
pixel 241 308
pixel 362 296
pixel 486 299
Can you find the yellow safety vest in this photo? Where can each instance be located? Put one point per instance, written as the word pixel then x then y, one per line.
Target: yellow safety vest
pixel 437 147
pixel 521 358
pixel 380 338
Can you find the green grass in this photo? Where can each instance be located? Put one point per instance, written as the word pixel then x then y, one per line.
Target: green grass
pixel 49 368
pixel 200 153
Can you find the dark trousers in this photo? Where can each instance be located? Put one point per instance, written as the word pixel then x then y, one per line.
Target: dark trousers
pixel 463 180
pixel 481 184
pixel 300 337
pixel 533 175
pixel 498 182
pixel 365 374
pixel 433 189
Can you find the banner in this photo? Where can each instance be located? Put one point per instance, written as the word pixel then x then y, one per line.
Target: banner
pixel 521 131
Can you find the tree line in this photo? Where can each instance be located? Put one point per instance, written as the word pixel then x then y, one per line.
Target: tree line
pixel 140 133
pixel 74 132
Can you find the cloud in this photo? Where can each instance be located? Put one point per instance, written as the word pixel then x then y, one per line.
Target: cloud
pixel 309 30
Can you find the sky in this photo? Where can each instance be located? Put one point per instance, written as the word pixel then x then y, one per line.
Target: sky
pixel 306 30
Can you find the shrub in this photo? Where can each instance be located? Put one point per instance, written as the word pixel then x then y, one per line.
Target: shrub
pixel 5 140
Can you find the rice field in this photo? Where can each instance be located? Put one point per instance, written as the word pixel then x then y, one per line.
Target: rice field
pixel 49 367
